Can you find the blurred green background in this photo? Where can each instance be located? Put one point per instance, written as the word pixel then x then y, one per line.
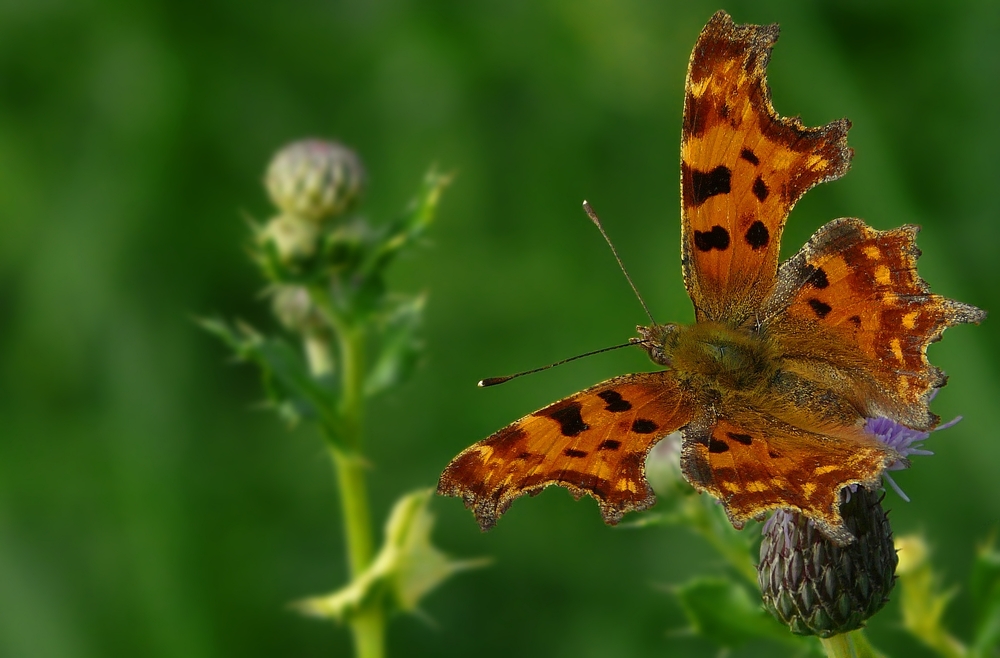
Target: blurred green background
pixel 147 508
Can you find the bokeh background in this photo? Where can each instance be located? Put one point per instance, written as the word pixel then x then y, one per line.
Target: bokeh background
pixel 148 508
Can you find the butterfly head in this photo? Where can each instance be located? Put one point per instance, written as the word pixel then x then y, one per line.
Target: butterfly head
pixel 659 341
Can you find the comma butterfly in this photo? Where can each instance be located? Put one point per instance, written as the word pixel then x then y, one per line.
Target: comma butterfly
pixel 771 386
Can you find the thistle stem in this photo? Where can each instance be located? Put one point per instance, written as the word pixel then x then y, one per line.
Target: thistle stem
pixel 850 645
pixel 367 627
pixel 839 646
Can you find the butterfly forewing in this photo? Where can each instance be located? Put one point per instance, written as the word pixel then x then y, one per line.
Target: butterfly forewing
pixel 853 291
pixel 594 442
pixel 743 167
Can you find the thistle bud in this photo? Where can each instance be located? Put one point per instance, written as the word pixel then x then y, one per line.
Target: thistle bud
pixel 663 467
pixel 314 179
pixel 294 237
pixel 295 311
pixel 816 587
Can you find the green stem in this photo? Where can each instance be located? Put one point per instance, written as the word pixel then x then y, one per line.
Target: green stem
pixel 850 645
pixel 368 627
pixel 839 646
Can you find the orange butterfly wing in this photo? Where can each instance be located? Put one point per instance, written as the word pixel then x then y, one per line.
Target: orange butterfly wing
pixel 594 442
pixel 755 463
pixel 743 167
pixel 851 300
pixel 838 334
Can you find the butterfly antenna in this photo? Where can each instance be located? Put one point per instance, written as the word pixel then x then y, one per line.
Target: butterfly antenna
pixel 493 381
pixel 597 222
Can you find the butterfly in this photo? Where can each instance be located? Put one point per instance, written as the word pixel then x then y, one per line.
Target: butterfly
pixel 771 387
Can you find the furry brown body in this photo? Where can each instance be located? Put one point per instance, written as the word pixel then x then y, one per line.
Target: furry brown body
pixel 731 368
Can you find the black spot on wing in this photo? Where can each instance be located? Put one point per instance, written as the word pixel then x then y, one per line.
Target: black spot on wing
pixel 609 444
pixel 757 235
pixel 569 419
pixel 717 238
pixel 760 189
pixel 644 426
pixel 816 277
pixel 570 452
pixel 706 184
pixel 855 320
pixel 616 403
pixel 750 156
pixel 716 446
pixel 821 309
pixel 745 439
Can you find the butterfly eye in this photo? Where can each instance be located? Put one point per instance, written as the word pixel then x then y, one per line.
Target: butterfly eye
pixel 660 341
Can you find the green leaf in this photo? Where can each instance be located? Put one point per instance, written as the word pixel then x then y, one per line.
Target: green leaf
pixel 921 599
pixel 985 589
pixel 410 226
pixel 722 611
pixel 290 387
pixel 400 347
pixel 408 566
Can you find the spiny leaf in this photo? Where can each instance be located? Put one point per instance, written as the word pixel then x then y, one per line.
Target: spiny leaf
pixel 985 589
pixel 400 347
pixel 289 385
pixel 411 225
pixel 723 611
pixel 408 566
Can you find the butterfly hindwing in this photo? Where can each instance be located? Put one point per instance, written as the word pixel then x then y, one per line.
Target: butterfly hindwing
pixel 743 167
pixel 853 291
pixel 754 463
pixel 594 442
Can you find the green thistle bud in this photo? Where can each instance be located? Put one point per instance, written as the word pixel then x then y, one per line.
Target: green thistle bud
pixel 663 468
pixel 816 587
pixel 314 179
pixel 295 310
pixel 294 237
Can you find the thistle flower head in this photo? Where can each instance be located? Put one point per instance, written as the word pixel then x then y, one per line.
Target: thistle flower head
pixel 314 179
pixel 817 587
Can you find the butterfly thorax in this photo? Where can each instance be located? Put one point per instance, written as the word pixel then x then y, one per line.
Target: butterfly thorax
pixel 713 355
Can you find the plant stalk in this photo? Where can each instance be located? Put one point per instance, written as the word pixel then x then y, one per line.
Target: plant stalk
pixel 850 645
pixel 368 627
pixel 839 646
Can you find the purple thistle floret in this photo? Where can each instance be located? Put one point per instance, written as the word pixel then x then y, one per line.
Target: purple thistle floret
pixel 903 440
